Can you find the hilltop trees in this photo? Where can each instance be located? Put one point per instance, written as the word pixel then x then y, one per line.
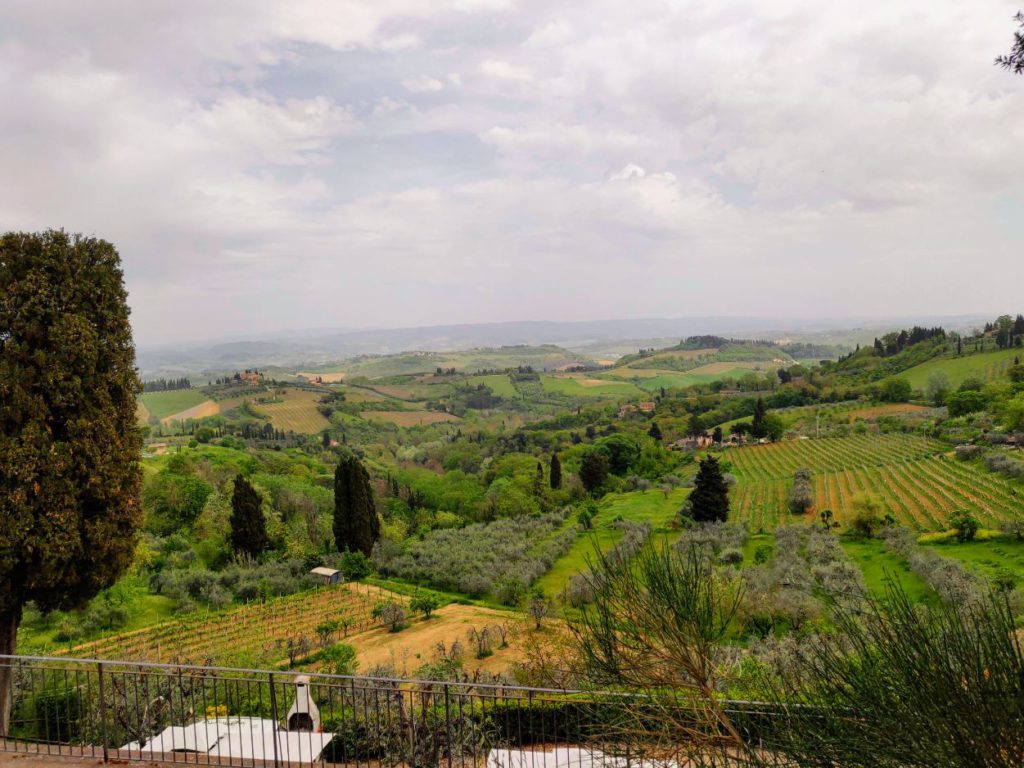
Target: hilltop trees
pixel 356 525
pixel 248 526
pixel 709 499
pixel 69 444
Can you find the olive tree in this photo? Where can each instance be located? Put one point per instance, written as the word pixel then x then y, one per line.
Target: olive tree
pixel 69 444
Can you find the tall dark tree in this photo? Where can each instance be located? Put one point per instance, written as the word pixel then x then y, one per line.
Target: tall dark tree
pixel 655 431
pixel 69 443
pixel 555 472
pixel 356 525
pixel 248 526
pixel 709 499
pixel 594 469
pixel 757 427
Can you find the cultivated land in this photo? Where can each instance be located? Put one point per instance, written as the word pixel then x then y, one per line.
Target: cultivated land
pixel 296 411
pixel 161 405
pixel 987 366
pixel 919 481
pixel 409 418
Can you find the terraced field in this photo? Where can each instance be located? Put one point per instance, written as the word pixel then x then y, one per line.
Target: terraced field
pixel 920 484
pixel 255 630
pixel 297 412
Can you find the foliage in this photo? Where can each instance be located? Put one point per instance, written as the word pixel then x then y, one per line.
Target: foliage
pixel 965 524
pixel 69 446
pixel 354 565
pixel 709 500
pixel 391 613
pixel 248 526
pixel 929 686
pixel 425 604
pixel 801 495
pixel 866 514
pixel 594 469
pixel 356 525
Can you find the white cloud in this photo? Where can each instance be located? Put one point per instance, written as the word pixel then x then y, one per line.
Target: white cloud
pixel 423 84
pixel 505 71
pixel 266 163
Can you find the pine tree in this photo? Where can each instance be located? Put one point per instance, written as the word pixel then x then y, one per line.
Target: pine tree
pixel 356 525
pixel 709 499
pixel 655 431
pixel 555 473
pixel 69 442
pixel 248 526
pixel 538 480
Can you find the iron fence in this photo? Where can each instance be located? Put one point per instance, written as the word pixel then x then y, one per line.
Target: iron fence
pixel 139 711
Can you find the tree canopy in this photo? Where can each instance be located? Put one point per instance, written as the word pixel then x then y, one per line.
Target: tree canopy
pixel 356 525
pixel 69 444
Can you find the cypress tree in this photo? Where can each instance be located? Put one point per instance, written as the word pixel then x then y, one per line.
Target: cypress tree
pixel 555 477
pixel 655 431
pixel 356 526
pixel 757 428
pixel 248 526
pixel 69 442
pixel 709 500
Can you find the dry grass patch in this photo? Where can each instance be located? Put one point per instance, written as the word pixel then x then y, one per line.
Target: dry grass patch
pixel 409 418
pixel 418 643
pixel 332 377
pixel 201 411
pixel 889 409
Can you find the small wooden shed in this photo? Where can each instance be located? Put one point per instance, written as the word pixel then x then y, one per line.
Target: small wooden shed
pixel 327 575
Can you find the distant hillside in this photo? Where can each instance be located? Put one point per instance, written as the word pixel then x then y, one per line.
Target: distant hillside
pixel 598 339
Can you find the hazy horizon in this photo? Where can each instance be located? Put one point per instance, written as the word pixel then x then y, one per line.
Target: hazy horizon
pixel 265 167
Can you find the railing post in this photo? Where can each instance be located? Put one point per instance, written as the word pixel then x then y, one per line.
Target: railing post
pixel 104 735
pixel 273 716
pixel 447 726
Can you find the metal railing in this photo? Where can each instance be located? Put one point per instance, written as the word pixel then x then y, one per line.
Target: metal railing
pixel 223 716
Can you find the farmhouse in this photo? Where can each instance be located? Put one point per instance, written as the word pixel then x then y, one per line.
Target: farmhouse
pixel 703 440
pixel 644 407
pixel 327 575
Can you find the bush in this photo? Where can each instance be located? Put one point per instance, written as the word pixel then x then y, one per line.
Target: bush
pixel 965 524
pixel 730 557
pixel 354 565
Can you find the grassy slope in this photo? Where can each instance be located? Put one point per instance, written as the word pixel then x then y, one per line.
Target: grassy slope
pixel 652 506
pixel 498 383
pixel 987 558
pixel 880 568
pixel 986 366
pixel 164 404
pixel 566 385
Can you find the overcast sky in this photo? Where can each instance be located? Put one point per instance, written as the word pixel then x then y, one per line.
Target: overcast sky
pixel 272 165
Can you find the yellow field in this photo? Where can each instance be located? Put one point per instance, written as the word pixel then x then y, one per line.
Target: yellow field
pixel 357 395
pixel 409 418
pixel 328 378
pixel 297 413
pixel 201 411
pixel 141 412
pixel 417 644
pixel 725 367
pixel 889 409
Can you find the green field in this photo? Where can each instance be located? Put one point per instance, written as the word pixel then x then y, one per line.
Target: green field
pixel 498 383
pixel 919 485
pixel 575 387
pixel 653 507
pixel 696 376
pixel 882 568
pixel 987 366
pixel 163 404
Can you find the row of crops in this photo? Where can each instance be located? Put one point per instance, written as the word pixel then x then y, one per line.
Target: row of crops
pixel 255 631
pixel 919 484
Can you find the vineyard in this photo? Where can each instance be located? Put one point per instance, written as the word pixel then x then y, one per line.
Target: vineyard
pixel 257 631
pixel 920 485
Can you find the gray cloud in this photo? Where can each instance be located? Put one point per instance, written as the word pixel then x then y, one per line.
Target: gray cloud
pixel 266 165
